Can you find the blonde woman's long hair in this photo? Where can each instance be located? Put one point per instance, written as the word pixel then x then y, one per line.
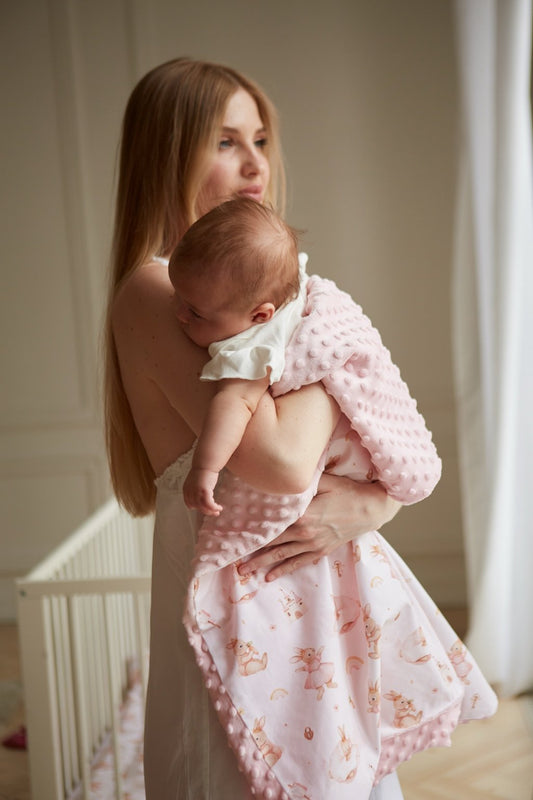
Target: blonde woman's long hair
pixel 172 120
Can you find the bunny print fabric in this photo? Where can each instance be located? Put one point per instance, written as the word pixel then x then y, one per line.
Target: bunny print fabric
pixel 327 679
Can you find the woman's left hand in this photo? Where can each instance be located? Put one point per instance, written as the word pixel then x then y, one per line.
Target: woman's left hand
pixel 341 511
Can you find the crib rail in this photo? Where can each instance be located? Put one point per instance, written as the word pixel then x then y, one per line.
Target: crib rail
pixel 83 626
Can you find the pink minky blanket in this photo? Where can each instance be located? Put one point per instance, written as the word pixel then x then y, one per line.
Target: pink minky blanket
pixel 327 679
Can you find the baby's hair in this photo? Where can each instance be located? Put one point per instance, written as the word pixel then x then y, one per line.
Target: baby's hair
pixel 247 244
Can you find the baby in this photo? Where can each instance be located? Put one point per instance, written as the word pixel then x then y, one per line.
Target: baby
pixel 240 292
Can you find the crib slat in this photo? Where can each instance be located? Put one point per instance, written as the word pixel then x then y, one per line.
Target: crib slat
pixel 38 674
pixel 114 700
pixel 65 691
pixel 82 706
pixel 98 671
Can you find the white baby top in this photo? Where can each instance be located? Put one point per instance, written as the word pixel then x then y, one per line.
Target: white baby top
pixel 249 354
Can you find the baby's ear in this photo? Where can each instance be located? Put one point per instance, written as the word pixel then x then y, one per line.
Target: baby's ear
pixel 263 313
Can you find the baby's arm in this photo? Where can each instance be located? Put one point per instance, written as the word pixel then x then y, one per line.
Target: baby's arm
pixel 227 417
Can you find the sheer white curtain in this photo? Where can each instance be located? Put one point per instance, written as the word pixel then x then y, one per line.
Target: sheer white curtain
pixel 493 329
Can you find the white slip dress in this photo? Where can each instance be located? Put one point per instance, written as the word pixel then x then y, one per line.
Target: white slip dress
pixel 186 756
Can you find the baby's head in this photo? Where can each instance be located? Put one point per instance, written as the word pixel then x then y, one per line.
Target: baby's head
pixel 232 269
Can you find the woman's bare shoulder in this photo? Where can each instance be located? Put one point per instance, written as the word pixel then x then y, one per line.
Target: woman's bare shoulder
pixel 145 327
pixel 154 353
pixel 146 292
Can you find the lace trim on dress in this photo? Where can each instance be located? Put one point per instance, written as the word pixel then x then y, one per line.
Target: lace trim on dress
pixel 174 474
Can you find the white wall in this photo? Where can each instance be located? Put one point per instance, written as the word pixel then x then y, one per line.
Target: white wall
pixel 367 97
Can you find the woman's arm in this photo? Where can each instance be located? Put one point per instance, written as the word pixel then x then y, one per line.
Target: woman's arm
pixel 341 511
pixel 285 439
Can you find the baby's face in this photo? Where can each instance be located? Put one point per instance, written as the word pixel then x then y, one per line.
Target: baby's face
pixel 206 314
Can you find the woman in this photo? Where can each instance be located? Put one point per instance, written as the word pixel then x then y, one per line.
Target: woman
pixel 195 134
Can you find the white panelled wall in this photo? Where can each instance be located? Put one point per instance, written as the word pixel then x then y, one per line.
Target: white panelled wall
pixel 368 102
pixel 63 84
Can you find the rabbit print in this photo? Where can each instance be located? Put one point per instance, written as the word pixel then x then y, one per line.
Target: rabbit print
pixel 373 698
pixel 344 760
pixel 405 714
pixel 457 655
pixel 372 632
pixel 271 752
pixel 319 674
pixel 246 656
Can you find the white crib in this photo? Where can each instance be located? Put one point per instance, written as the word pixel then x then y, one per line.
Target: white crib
pixel 83 628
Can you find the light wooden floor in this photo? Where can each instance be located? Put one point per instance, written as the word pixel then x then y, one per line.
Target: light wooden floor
pixel 489 760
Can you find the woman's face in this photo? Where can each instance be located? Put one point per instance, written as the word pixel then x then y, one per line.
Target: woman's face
pixel 240 165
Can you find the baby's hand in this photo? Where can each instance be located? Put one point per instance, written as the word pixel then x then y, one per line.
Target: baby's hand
pixel 198 489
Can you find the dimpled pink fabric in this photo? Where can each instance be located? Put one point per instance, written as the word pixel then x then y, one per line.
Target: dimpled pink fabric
pixel 337 344
pixel 327 679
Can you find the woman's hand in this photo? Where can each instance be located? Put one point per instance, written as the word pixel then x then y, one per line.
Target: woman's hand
pixel 341 511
